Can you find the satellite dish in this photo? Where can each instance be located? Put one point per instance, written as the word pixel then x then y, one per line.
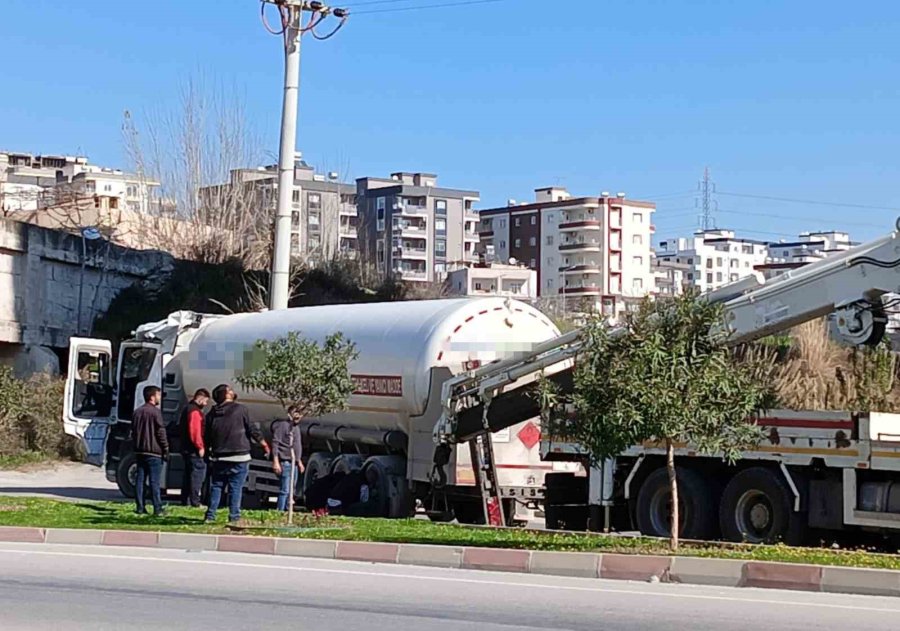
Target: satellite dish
pixel 512 261
pixel 90 233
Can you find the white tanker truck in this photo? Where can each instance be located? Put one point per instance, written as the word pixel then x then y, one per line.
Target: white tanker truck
pixel 407 350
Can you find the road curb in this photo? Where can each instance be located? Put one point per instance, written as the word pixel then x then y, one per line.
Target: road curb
pixel 676 569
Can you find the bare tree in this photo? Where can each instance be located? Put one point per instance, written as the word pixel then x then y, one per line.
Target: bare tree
pixel 210 208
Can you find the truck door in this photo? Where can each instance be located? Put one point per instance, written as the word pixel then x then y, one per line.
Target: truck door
pixel 88 402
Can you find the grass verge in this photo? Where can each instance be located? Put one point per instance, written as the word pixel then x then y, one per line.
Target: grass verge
pixel 22 459
pixel 37 512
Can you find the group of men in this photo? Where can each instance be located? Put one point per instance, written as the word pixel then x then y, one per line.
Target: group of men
pixel 214 445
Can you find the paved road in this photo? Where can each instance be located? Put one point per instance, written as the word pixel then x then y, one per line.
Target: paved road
pixel 67 481
pixel 79 587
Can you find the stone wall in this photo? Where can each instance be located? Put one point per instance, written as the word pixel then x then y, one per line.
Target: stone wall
pixel 41 276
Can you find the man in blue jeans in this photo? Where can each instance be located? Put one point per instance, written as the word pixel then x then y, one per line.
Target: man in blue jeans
pixel 287 449
pixel 151 447
pixel 227 438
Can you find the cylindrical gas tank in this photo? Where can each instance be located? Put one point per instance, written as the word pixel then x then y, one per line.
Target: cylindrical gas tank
pixel 398 345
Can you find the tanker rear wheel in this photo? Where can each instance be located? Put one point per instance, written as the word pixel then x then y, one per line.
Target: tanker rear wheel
pixel 389 494
pixel 318 466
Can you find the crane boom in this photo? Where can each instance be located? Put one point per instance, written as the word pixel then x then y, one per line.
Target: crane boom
pixel 850 286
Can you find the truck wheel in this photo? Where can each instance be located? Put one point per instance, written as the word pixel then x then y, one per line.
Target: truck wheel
pixel 757 507
pixel 696 506
pixel 347 463
pixel 318 466
pixel 388 492
pixel 126 474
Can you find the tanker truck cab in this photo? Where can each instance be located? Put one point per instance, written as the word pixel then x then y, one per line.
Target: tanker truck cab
pixel 100 398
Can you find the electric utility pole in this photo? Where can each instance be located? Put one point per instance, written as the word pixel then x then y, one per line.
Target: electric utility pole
pixel 292 28
pixel 708 205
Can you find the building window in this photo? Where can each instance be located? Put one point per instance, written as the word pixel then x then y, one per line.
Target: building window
pixel 440 247
pixel 440 206
pixel 503 223
pixel 690 261
pixel 709 278
pixel 518 221
pixel 734 277
pixel 709 263
pixel 532 264
pixel 295 196
pixel 532 241
pixel 477 286
pixel 313 219
pixel 295 219
pixel 551 261
pixel 551 217
pixel 718 277
pixel 550 240
pixel 690 276
pixel 518 243
pixel 549 283
pixel 637 283
pixel 747 249
pixel 515 288
pixel 440 268
pixel 440 224
pixel 502 244
pixel 637 218
pixel 637 239
pixel 734 263
pixel 379 204
pixel 746 263
pixel 534 220
pixel 718 261
pixel 638 260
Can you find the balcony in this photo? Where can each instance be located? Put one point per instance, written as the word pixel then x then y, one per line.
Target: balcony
pixel 410 274
pixel 593 246
pixel 418 254
pixel 471 235
pixel 582 290
pixel 413 211
pixel 409 229
pixel 577 225
pixel 347 210
pixel 347 231
pixel 585 268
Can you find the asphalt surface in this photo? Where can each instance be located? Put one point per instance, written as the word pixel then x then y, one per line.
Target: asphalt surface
pixel 66 481
pixel 82 587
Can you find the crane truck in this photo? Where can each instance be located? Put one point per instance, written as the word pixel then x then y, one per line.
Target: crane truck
pixel 834 471
pixel 406 351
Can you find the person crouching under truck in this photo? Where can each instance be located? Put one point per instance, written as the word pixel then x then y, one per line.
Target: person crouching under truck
pixel 341 494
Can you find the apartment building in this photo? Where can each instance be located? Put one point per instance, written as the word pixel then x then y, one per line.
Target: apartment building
pixel 323 209
pixel 710 258
pixel 408 225
pixel 592 252
pixel 512 281
pixel 808 247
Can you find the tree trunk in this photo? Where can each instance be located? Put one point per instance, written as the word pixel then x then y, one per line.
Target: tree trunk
pixel 673 485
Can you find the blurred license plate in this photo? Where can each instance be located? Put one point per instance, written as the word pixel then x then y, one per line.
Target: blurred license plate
pixel 523 492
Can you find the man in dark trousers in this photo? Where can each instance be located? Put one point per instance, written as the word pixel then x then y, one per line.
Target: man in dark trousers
pixel 151 448
pixel 193 451
pixel 227 439
pixel 287 448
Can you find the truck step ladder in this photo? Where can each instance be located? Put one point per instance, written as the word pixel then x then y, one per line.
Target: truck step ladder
pixel 484 467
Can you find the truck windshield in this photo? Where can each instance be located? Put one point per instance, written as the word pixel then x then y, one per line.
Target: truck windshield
pixel 137 362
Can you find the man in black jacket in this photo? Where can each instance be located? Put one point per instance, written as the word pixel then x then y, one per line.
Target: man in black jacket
pixel 151 447
pixel 193 451
pixel 227 439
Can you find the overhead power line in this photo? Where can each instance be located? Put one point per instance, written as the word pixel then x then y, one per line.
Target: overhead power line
pixel 426 6
pixel 809 201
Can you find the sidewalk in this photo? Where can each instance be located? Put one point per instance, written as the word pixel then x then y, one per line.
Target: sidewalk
pixel 691 570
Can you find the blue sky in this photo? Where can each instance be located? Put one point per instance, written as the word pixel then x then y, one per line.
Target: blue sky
pixel 793 99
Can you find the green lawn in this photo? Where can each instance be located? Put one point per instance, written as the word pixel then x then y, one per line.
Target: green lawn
pixel 29 511
pixel 22 459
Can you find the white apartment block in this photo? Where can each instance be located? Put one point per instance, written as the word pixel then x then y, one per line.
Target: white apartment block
pixel 591 252
pixel 708 260
pixel 807 248
pixel 30 182
pixel 512 281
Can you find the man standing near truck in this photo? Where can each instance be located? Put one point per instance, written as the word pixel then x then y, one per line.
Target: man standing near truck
pixel 193 451
pixel 151 448
pixel 227 439
pixel 287 448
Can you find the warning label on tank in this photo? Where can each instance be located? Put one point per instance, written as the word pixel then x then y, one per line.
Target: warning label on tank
pixel 377 386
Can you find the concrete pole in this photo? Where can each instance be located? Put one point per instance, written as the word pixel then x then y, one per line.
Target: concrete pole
pixel 81 280
pixel 279 287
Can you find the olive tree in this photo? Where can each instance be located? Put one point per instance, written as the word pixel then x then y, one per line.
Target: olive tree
pixel 314 378
pixel 659 377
